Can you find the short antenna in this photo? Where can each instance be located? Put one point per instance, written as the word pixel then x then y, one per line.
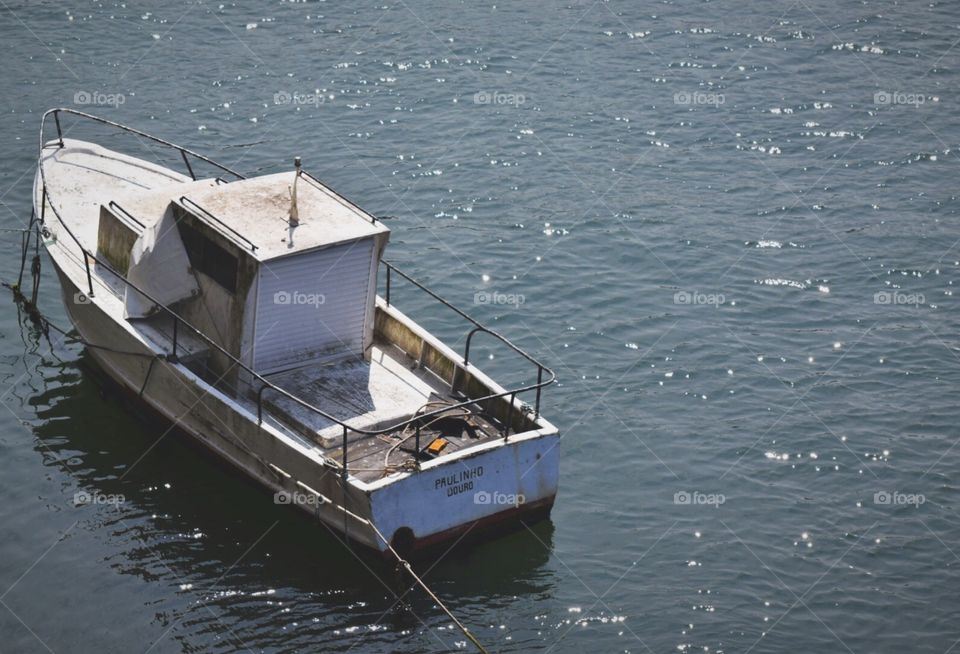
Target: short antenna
pixel 294 212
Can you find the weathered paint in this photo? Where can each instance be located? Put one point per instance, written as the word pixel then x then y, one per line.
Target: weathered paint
pixel 213 419
pixel 413 500
pixel 214 310
pixel 115 239
pixel 470 488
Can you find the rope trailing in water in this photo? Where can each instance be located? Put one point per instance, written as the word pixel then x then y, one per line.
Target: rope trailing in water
pixel 45 325
pixel 405 564
pixel 30 304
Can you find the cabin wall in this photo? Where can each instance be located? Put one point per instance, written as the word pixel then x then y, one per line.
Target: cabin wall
pixel 216 311
pixel 115 240
pixel 370 318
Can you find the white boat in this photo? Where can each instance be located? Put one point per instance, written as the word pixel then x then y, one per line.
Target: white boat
pixel 246 313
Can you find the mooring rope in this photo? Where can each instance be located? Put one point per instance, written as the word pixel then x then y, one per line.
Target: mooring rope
pixel 30 304
pixel 403 562
pixel 46 324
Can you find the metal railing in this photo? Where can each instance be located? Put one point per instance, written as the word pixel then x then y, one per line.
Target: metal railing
pixel 338 196
pixel 185 201
pixel 126 214
pixel 184 153
pixel 265 385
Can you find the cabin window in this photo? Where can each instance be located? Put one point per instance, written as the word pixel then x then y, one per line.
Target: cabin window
pixel 209 258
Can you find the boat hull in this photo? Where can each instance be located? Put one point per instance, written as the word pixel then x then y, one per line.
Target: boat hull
pixel 421 511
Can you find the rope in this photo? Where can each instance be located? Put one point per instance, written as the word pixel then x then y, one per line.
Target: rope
pixel 406 565
pixel 30 305
pixel 25 246
pixel 426 589
pixel 47 324
pixel 410 431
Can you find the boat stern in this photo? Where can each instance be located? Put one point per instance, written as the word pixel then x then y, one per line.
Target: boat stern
pixel 495 484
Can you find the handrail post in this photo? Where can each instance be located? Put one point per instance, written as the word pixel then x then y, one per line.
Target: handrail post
pixel 388 284
pixel 189 167
pixel 466 347
pixel 344 471
pixel 536 407
pixel 260 405
pixel 86 263
pixel 56 118
pixel 176 323
pixel 506 431
pixel 417 444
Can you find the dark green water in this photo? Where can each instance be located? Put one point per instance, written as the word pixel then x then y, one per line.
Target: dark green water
pixel 734 230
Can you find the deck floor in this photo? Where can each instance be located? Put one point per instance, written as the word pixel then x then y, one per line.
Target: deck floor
pixel 372 395
pixel 90 176
pixel 365 395
pixel 372 458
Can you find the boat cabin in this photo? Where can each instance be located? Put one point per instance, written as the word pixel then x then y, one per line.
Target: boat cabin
pixel 279 270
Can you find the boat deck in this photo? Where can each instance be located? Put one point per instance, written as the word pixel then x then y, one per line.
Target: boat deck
pixel 388 389
pixel 366 395
pixel 375 457
pixel 369 395
pixel 87 169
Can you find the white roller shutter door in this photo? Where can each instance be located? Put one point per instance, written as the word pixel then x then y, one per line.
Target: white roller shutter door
pixel 311 305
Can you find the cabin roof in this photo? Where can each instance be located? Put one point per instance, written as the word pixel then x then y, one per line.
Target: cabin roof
pixel 259 209
pixel 148 205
